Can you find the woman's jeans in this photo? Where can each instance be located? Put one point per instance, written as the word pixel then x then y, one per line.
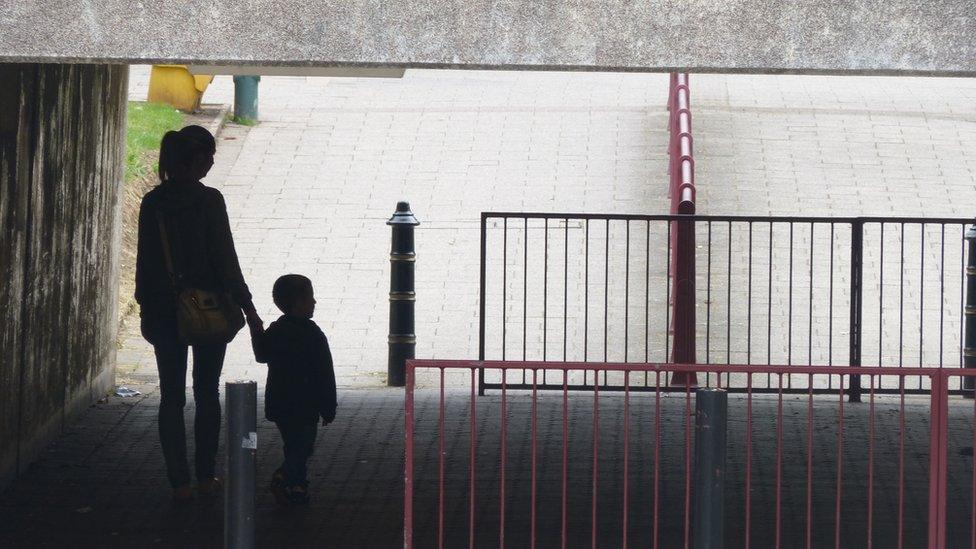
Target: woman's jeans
pixel 171 355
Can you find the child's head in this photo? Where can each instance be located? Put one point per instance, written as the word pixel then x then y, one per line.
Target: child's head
pixel 292 293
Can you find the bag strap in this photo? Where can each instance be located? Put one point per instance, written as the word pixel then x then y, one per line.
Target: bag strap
pixel 167 254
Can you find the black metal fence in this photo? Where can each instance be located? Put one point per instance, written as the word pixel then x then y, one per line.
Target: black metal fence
pixel 769 290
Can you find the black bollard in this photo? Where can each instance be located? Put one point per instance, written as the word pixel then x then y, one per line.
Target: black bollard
pixel 403 341
pixel 242 444
pixel 969 347
pixel 711 412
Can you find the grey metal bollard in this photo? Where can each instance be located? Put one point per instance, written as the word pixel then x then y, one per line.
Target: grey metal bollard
pixel 969 346
pixel 711 412
pixel 402 340
pixel 242 444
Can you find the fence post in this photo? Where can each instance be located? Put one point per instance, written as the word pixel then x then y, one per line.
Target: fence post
pixel 242 444
pixel 857 290
pixel 711 412
pixel 481 303
pixel 408 413
pixel 246 97
pixel 402 339
pixel 938 459
pixel 969 348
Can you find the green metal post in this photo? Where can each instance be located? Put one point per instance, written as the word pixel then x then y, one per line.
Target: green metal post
pixel 403 341
pixel 246 97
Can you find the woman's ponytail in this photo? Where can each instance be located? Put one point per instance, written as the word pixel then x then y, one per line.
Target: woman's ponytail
pixel 171 153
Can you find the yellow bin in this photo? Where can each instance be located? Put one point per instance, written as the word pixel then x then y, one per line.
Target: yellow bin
pixel 174 85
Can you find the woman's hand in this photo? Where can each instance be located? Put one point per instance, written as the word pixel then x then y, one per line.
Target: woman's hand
pixel 254 321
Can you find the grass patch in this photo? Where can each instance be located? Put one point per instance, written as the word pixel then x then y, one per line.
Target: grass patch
pixel 146 124
pixel 243 120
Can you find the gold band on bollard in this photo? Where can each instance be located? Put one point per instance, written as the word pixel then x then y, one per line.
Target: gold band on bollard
pixel 403 296
pixel 409 339
pixel 403 257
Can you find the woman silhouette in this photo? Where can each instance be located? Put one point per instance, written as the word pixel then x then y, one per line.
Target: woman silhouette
pixel 202 250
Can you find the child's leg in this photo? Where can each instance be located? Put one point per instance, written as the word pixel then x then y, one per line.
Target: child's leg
pixel 308 432
pixel 299 440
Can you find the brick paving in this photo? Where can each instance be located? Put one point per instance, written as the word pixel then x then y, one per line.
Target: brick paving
pixel 309 190
pixel 828 146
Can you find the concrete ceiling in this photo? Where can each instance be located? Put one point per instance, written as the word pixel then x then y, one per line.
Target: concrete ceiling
pixel 752 36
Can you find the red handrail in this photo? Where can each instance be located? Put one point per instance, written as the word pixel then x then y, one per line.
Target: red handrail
pixel 681 169
pixel 681 162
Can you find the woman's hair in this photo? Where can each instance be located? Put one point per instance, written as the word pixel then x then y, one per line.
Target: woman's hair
pixel 179 149
pixel 200 136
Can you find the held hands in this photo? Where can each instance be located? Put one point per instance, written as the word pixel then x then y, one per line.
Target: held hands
pixel 254 322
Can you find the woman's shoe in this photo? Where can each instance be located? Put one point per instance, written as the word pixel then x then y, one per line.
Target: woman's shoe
pixel 182 493
pixel 209 487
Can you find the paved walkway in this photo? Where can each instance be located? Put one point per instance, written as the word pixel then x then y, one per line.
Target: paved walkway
pixel 103 483
pixel 309 190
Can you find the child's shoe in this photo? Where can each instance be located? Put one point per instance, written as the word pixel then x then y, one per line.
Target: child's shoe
pixel 277 488
pixel 297 495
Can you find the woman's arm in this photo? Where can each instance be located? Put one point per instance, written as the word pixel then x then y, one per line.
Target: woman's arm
pixel 141 253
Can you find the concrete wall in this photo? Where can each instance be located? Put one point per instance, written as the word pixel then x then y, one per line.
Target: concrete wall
pixel 62 139
pixel 844 36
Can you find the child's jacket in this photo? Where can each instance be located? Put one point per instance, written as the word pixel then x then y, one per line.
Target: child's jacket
pixel 301 380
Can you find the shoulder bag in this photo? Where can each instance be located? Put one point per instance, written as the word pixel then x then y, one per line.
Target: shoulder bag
pixel 202 316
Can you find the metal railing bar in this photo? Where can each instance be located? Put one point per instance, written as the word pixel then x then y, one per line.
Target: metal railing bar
pixel 734 218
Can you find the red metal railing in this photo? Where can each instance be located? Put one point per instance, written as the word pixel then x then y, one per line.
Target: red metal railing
pixel 527 467
pixel 681 161
pixel 681 169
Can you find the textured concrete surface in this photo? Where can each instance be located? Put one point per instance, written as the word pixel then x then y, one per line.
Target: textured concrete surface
pixel 103 483
pixel 729 35
pixel 61 156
